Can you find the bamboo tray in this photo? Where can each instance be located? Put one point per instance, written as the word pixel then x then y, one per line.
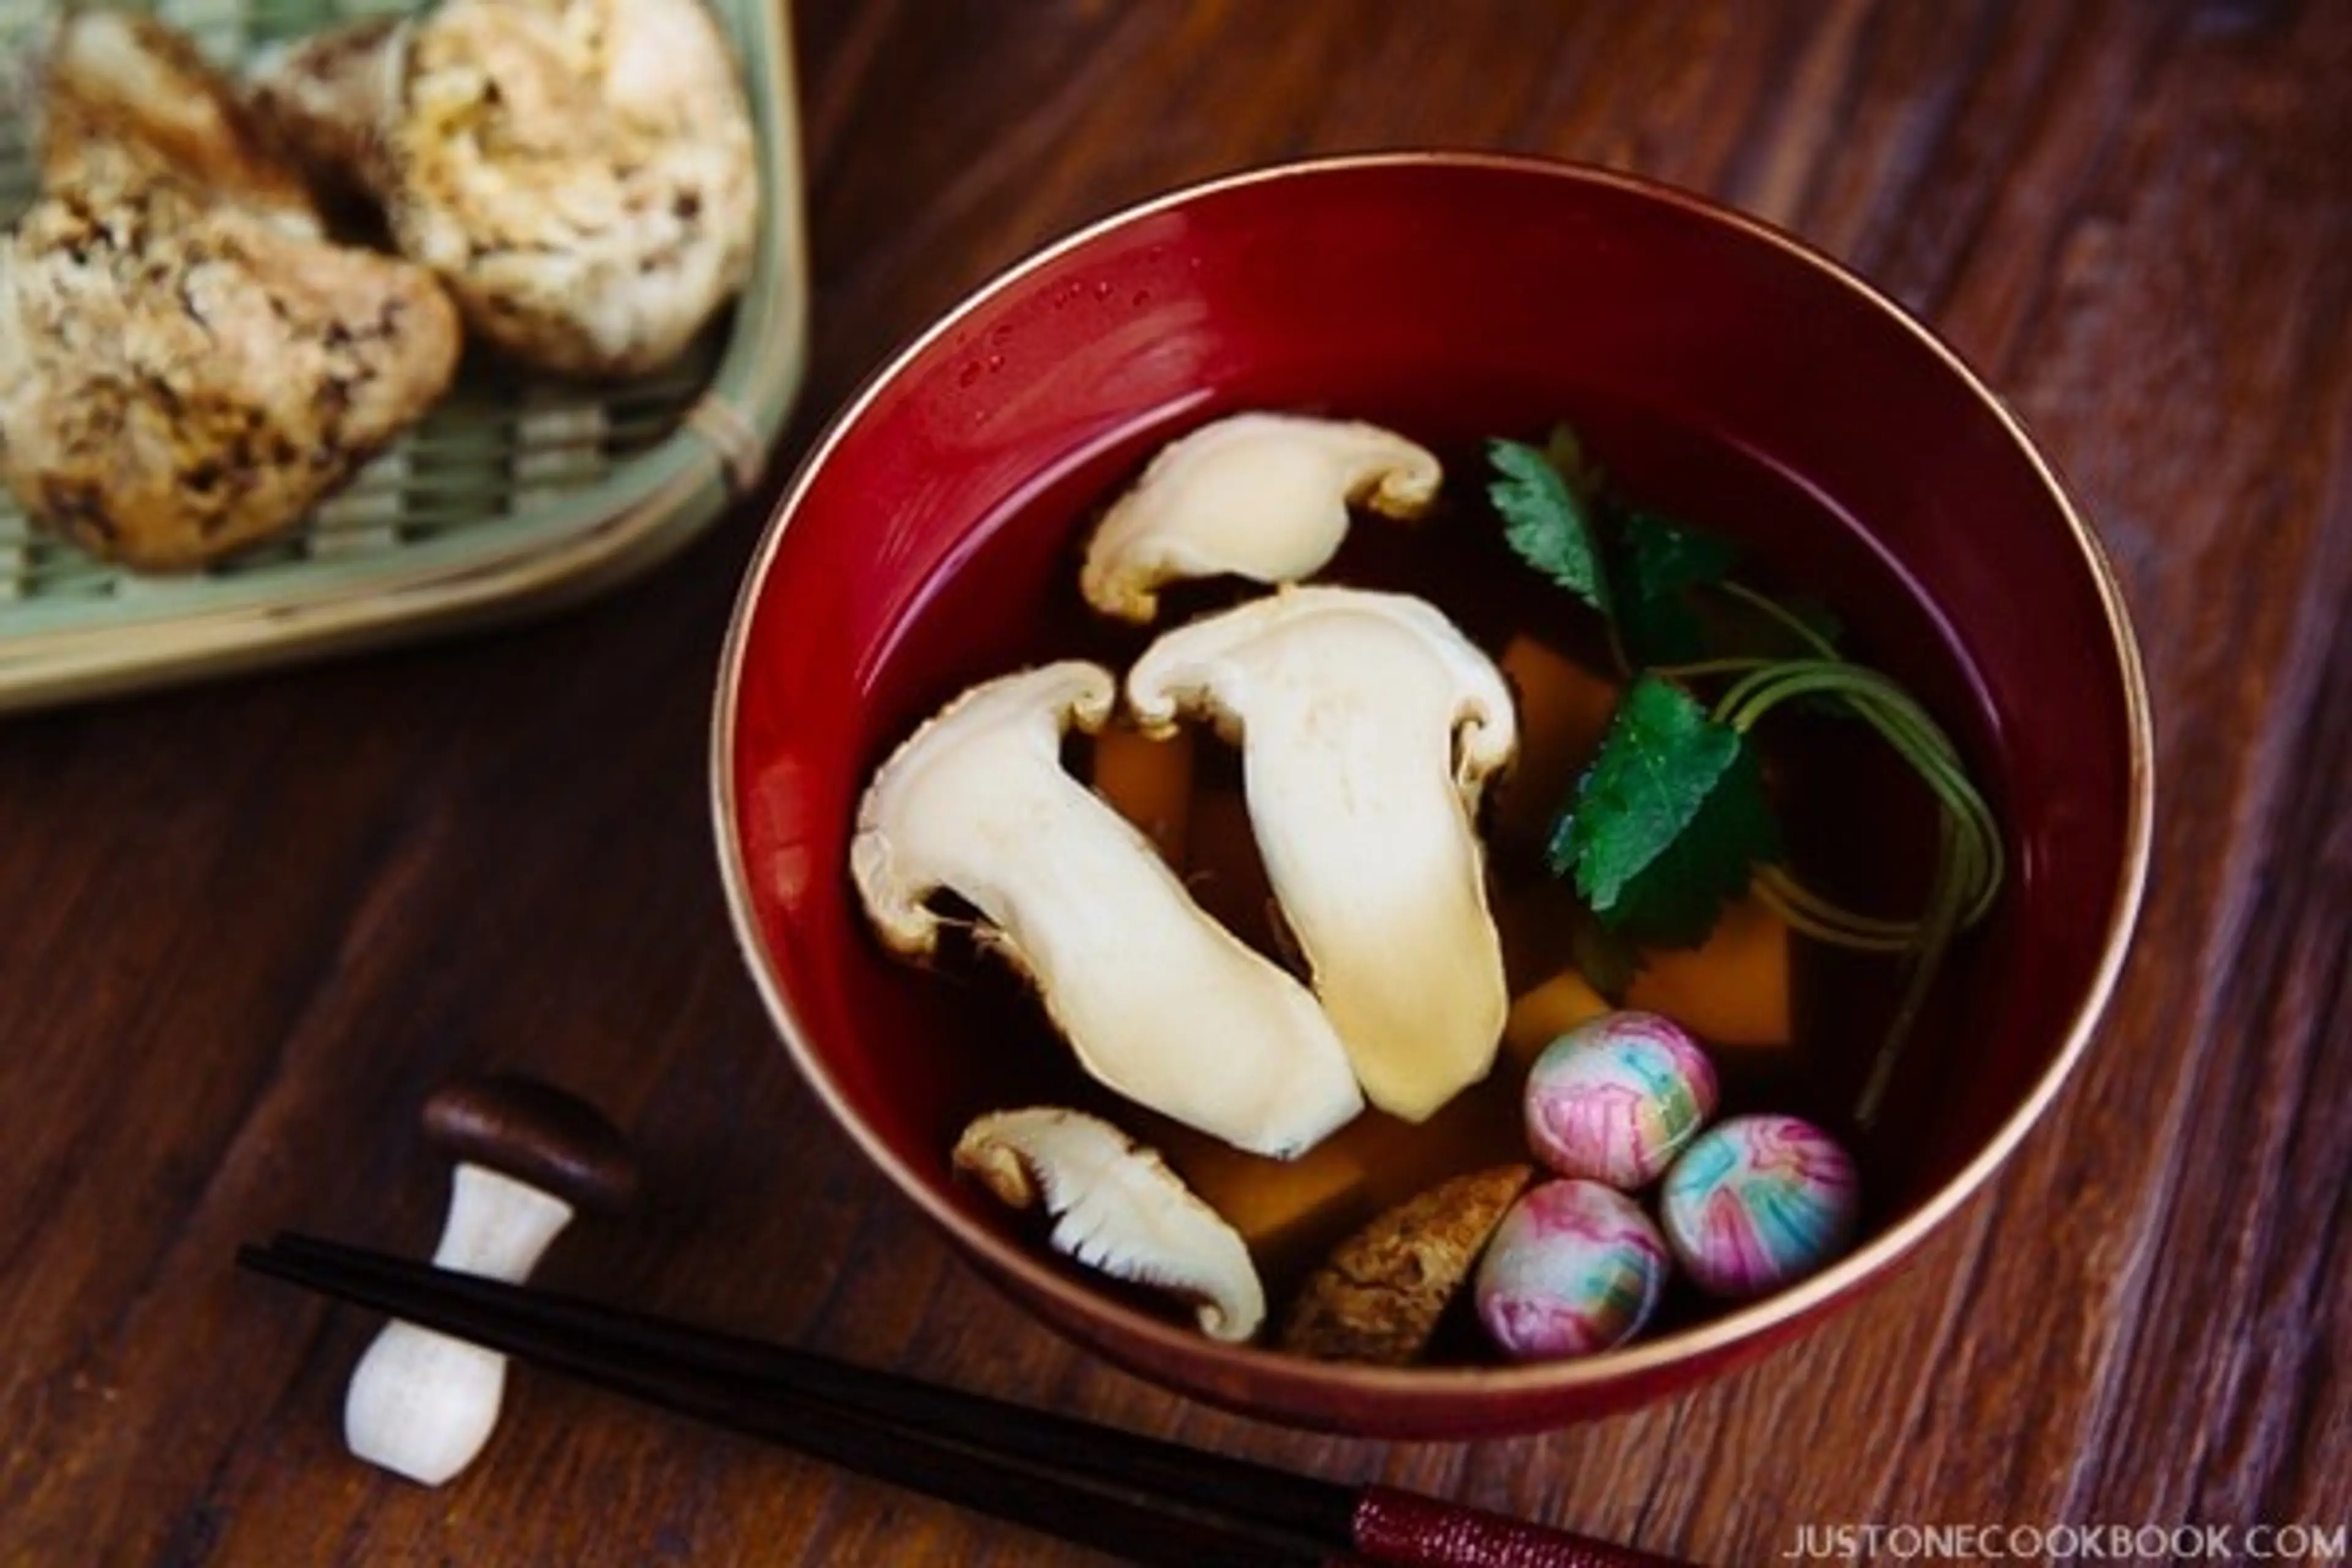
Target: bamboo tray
pixel 514 493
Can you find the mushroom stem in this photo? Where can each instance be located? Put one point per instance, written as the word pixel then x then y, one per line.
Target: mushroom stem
pixel 1367 725
pixel 1157 1001
pixel 421 1403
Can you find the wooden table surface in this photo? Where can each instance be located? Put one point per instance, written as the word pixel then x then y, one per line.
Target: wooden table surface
pixel 248 927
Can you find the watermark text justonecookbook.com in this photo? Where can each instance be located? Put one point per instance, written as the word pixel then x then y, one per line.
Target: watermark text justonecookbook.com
pixel 2071 1544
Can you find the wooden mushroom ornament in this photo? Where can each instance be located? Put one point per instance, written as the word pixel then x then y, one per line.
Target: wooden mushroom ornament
pixel 528 1156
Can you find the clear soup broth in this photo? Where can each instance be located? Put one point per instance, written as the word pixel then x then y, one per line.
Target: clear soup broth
pixel 1858 825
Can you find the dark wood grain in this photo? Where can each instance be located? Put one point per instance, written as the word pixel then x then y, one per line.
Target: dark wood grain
pixel 250 926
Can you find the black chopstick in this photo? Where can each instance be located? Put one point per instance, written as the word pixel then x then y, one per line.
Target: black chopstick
pixel 1141 1497
pixel 730 1395
pixel 765 1388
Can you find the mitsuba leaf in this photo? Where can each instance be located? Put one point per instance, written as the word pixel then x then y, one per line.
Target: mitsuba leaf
pixel 1668 821
pixel 1658 563
pixel 1547 521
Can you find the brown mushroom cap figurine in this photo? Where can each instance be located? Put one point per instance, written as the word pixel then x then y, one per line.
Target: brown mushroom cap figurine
pixel 529 1154
pixel 536 1134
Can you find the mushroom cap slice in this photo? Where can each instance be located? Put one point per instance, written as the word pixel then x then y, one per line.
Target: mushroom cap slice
pixel 1261 496
pixel 1117 1207
pixel 582 174
pixel 1367 725
pixel 180 378
pixel 1157 1000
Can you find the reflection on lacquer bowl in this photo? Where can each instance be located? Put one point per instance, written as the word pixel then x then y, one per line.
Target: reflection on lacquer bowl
pixel 1721 372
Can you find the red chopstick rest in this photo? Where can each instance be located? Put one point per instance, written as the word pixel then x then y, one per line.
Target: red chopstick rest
pixel 1393 1526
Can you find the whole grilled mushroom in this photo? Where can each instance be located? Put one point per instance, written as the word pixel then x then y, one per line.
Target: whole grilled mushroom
pixel 581 174
pixel 186 365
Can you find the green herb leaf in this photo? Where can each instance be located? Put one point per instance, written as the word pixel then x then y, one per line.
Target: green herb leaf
pixel 1659 562
pixel 1667 821
pixel 1546 521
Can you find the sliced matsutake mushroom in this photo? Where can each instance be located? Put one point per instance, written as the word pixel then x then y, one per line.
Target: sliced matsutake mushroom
pixel 582 174
pixel 1261 496
pixel 1117 1207
pixel 1367 725
pixel 1157 1000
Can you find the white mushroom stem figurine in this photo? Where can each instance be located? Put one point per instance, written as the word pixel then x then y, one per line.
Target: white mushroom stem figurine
pixel 1157 999
pixel 1117 1207
pixel 422 1403
pixel 581 174
pixel 1367 725
pixel 1261 496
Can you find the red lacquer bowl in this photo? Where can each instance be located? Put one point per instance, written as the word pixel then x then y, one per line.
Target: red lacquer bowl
pixel 1726 372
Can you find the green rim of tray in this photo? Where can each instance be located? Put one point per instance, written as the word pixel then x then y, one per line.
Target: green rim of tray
pixel 516 494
